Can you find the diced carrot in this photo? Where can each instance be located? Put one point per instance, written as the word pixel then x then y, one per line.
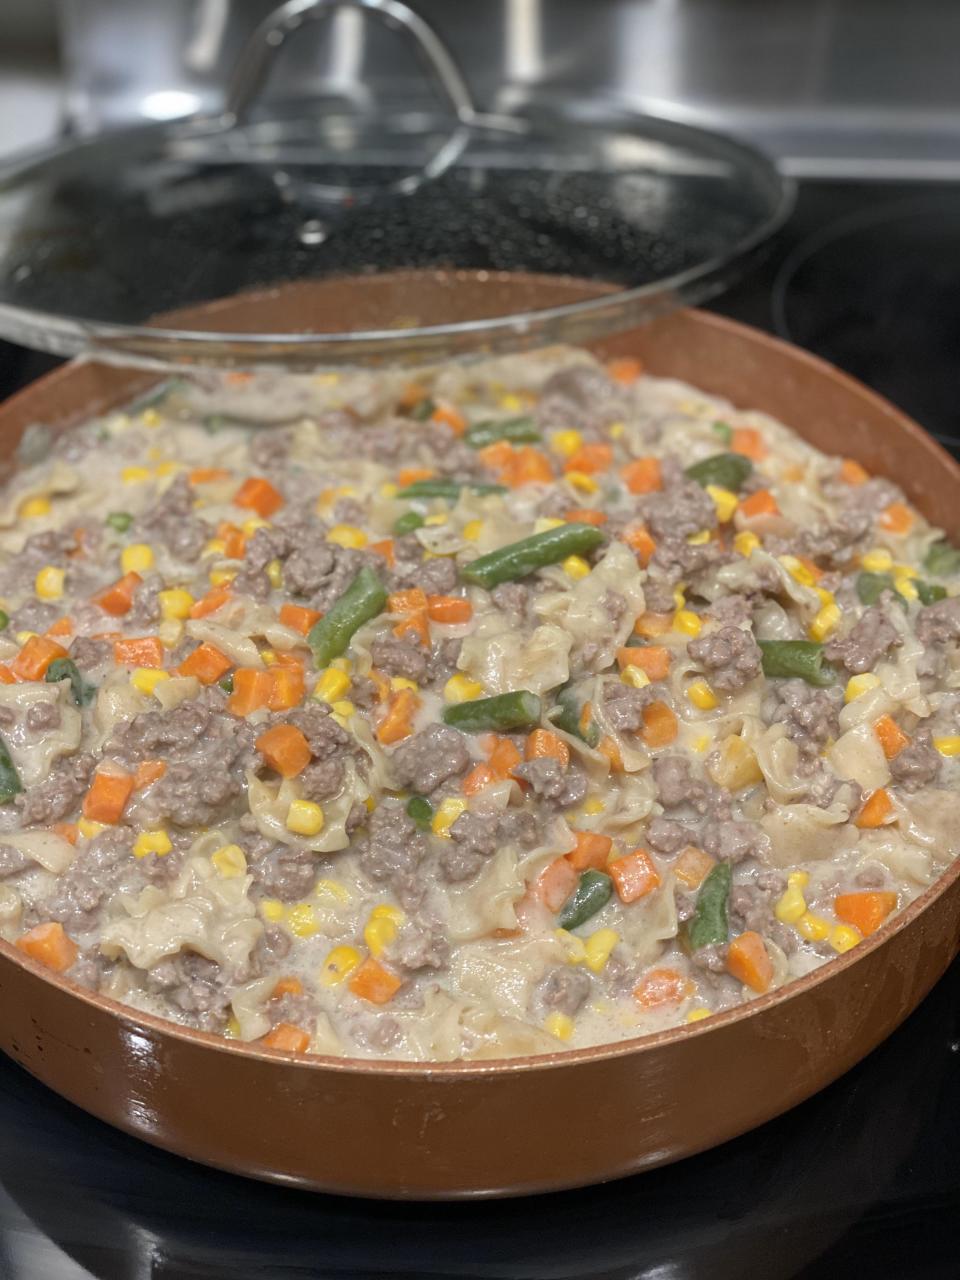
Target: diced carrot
pixel 480 776
pixel 450 417
pixel 34 658
pixel 416 625
pixel 289 986
pixel 289 1038
pixel 206 662
pixel 407 601
pixel 897 518
pixel 6 675
pixel 592 850
pixel 624 369
pixel 876 809
pixel 215 599
pixel 107 797
pixel 555 883
pixel 259 495
pixel 590 459
pixel 585 719
pixel 609 747
pixel 892 738
pixel 542 743
pixel 299 618
pixel 662 987
pixel 287 686
pixel 865 911
pixel 206 475
pixel 252 690
pixel 527 466
pixel 62 627
pixel 643 475
pixel 51 945
pixel 285 749
pixel 811 567
pixel 384 548
pixel 749 961
pixel 449 610
pixel 851 472
pixel 412 394
pixel 761 503
pixel 692 866
pixel 585 515
pixel 652 659
pixel 147 772
pixel 653 624
pixel 371 981
pixel 398 721
pixel 749 442
pixel 640 542
pixel 410 475
pixel 143 651
pixel 659 725
pixel 118 598
pixel 634 875
pixel 382 683
pixel 235 544
pixel 68 831
pixel 504 757
pixel 237 378
pixel 496 455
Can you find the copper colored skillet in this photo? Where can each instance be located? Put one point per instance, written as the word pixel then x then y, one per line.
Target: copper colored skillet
pixel 509 1127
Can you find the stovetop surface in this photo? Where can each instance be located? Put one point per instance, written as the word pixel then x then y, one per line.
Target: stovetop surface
pixel 863 1178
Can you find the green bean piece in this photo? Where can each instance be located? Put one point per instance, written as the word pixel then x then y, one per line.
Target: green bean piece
pixel 566 716
pixel 423 409
pixel 4 619
pixel 331 635
pixel 406 523
pixel 518 559
pixel 724 431
pixel 120 520
pixel 10 784
pixel 728 470
pixel 709 924
pixel 787 659
pixel 930 592
pixel 942 560
pixel 502 713
pixel 420 810
pixel 226 684
pixel 871 586
pixel 66 669
pixel 516 430
pixel 592 892
pixel 447 488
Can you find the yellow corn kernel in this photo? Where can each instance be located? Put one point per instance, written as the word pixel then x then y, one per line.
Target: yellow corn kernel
pixel 215 547
pixel 135 475
pixel 559 1025
pixel 33 507
pixel 679 599
pixel 176 603
pixel 347 535
pixel 598 948
pixel 616 429
pixel 333 889
pixel 146 679
pixel 447 813
pixel 582 482
pixel 339 965
pixel 230 861
pixel 574 950
pixel 302 920
pixel 511 403
pixel 331 685
pixel 843 937
pixel 370 804
pixel 88 828
pixel 150 418
pixel 701 695
pixel 746 543
pixel 797 570
pixel 576 567
pixel 798 879
pixel 343 709
pixel 877 560
pixel 858 685
pixel 272 910
pixel 905 571
pixel 460 688
pixel 566 442
pixel 812 927
pixel 49 583
pixel 687 622
pixel 269 656
pixel 949 745
pixel 635 677
pixel 724 501
pixel 593 806
pixel 250 527
pixel 275 574
pixel 170 632
pixel 697 1015
pixel 137 558
pixel 378 934
pixel 389 490
pixel 472 530
pixel 157 842
pixel 543 523
pixel 220 577
pixel 791 905
pixel 698 539
pixel 387 911
pixel 826 621
pixel 305 818
pixel 701 742
pixel 24 636
pixel 168 468
pixel 903 583
pixel 401 682
pixel 438 519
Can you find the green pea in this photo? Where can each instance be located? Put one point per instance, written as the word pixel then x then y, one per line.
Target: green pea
pixel 120 520
pixel 420 810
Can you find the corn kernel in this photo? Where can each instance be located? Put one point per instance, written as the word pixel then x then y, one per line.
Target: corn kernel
pixel 343 708
pixel 582 482
pixel 275 574
pixel 230 861
pixel 701 695
pixel 697 1015
pixel 635 677
pixel 616 429
pixel 302 920
pixel 798 879
pixel 88 828
pixel 904 571
pixel 305 818
pixel 725 503
pixel 389 490
pixel 598 948
pixel 593 806
pixel 949 745
pixel 798 570
pixel 460 688
pixel 447 813
pixel 49 583
pixel 339 965
pixel 146 679
pixel 826 621
pixel 511 403
pixel 331 686
pixel 576 567
pixel 24 636
pixel 566 442
pixel 168 468
pixel 559 1025
pixel 574 949
pixel 272 910
pixel 858 685
pixel 878 560
pixel 250 527
pixel 472 530
pixel 825 596
pixel 170 632
pixel 137 558
pixel 401 682
pixel 347 535
pixel 175 603
pixel 215 547
pixel 790 906
pixel 701 742
pixel 378 934
pixel 269 656
pixel 435 520
pixel 812 927
pixel 220 577
pixel 698 539
pixel 843 937
pixel 150 418
pixel 746 543
pixel 687 622
pixel 333 889
pixel 135 475
pixel 903 583
pixel 157 842
pixel 34 507
pixel 679 599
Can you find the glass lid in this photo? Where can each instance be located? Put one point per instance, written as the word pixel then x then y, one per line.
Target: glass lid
pixel 321 234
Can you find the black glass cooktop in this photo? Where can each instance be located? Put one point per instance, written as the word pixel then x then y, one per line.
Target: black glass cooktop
pixel 863 1179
